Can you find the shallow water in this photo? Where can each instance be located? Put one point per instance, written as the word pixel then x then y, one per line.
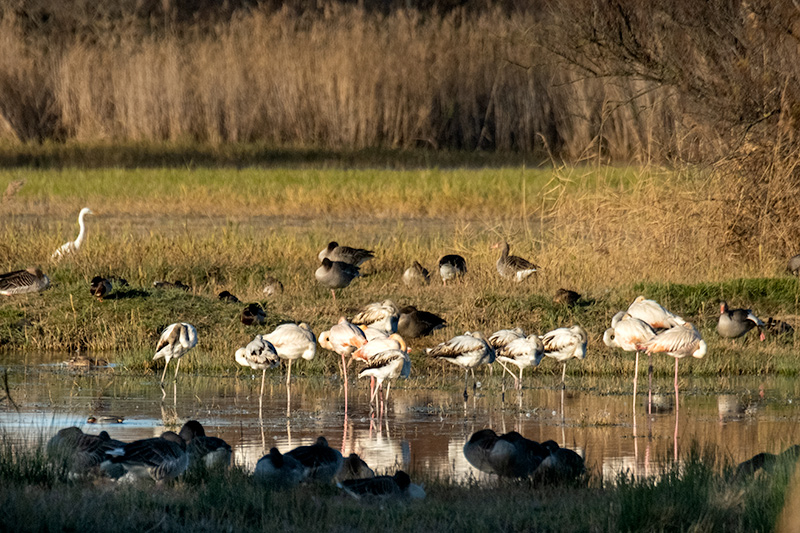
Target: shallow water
pixel 423 428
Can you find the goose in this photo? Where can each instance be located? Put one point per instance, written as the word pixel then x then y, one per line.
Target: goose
pixel 23 281
pixel 336 274
pixel 509 455
pixel 321 462
pixel 175 341
pixel 562 344
pixel 279 471
pixel 561 465
pixel 99 287
pixel 259 354
pixel 512 266
pixel 678 341
pixel 566 297
pixel 523 352
pixel 74 246
pixel 291 342
pixel 160 459
pixel 253 314
pixel 80 452
pixel 387 365
pixel 452 266
pixel 227 297
pixel 380 315
pixel 211 452
pixel 629 334
pixel 354 467
pixel 651 312
pixel 414 323
pixel 778 327
pixel 379 486
pixel 468 351
pixel 273 287
pixel 736 322
pixel 416 274
pixel 345 254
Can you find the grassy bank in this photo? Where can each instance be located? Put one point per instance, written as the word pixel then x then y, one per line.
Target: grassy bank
pixel 700 494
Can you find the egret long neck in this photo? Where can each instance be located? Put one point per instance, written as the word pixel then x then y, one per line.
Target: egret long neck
pixel 82 232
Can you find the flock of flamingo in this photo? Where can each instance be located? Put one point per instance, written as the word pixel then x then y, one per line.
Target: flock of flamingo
pixel 376 335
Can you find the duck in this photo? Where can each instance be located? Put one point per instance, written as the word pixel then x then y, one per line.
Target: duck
pixel 292 342
pixel 468 351
pixel 734 323
pixel 512 266
pixel 321 462
pixel 563 344
pixel 253 314
pixel 778 328
pixel 272 287
pixel 523 353
pixel 175 341
pixel 566 297
pixel 279 471
pixel 105 419
pixel 159 459
pixel 170 285
pixel 354 467
pixel 99 287
pixel 336 274
pixel 380 315
pixel 82 361
pixel 414 323
pixel 346 254
pixel 452 266
pixel 31 279
pixel 73 246
pixel 226 296
pixel 416 274
pixel 211 452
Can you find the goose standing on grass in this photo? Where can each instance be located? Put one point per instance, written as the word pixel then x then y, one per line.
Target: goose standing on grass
pixel 380 315
pixel 523 352
pixel 74 246
pixel 629 334
pixel 292 341
pixel 99 287
pixel 321 462
pixel 468 351
pixel 734 323
pixel 345 254
pixel 566 297
pixel 678 341
pixel 512 266
pixel 259 354
pixel 336 274
pixel 563 344
pixel 23 281
pixel 414 323
pixel 175 341
pixel 253 314
pixel 386 365
pixel 212 452
pixel 416 274
pixel 279 471
pixel 160 459
pixel 452 266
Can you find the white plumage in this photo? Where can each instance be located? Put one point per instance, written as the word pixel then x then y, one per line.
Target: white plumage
pixel 175 341
pixel 523 352
pixel 292 341
pixel 651 312
pixel 563 344
pixel 74 246
pixel 387 365
pixel 468 351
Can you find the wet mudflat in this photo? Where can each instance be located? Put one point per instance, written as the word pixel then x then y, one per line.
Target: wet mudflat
pixel 423 427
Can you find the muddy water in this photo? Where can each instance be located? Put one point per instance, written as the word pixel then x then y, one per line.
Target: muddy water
pixel 423 428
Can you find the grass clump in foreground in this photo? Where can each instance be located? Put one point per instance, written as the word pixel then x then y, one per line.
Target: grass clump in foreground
pixel 697 493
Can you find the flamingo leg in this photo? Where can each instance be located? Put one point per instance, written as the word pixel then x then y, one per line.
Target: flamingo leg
pixel 506 369
pixel 466 378
pixel 563 375
pixel 635 380
pixel 649 383
pixel 176 369
pixel 474 384
pixel 676 386
pixel 388 387
pixel 344 377
pixel 374 393
pixel 334 295
pixel 261 395
pixel 520 379
pixel 289 373
pixel 164 373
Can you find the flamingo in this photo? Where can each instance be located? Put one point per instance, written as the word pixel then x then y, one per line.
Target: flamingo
pixel 416 274
pixel 522 352
pixel 452 266
pixel 346 254
pixel 292 341
pixel 344 338
pixel 629 334
pixel 336 274
pixel 380 315
pixel 736 322
pixel 259 354
pixel 175 341
pixel 23 281
pixel 651 312
pixel 74 246
pixel 501 338
pixel 563 344
pixel 468 351
pixel 380 344
pixel 387 365
pixel 512 266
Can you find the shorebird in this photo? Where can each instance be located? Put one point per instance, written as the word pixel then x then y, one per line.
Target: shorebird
pixel 380 315
pixel 292 341
pixel 336 274
pixel 23 281
pixel 416 274
pixel 259 354
pixel 563 344
pixel 74 246
pixel 160 459
pixel 451 267
pixel 523 352
pixel 414 323
pixel 345 254
pixel 175 341
pixel 736 322
pixel 468 351
pixel 279 471
pixel 321 462
pixel 512 266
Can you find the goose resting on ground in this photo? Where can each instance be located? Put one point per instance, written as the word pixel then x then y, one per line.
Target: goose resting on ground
pixel 23 281
pixel 416 274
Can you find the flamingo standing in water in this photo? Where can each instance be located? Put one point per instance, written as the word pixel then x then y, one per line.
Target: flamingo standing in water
pixel 563 344
pixel 259 354
pixel 175 341
pixel 468 351
pixel 522 352
pixel 629 334
pixel 344 338
pixel 292 341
